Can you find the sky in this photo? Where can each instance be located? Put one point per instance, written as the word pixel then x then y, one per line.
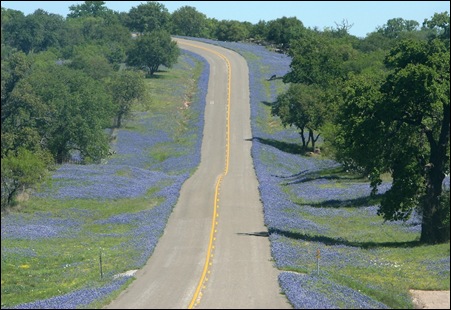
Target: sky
pixel 364 16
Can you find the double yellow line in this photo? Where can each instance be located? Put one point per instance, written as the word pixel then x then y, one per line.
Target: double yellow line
pixel 197 294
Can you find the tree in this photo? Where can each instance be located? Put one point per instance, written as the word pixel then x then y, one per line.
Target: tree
pixel 395 27
pixel 259 31
pixel 90 60
pixel 69 109
pixel 318 59
pixel 89 8
pixel 301 107
pixel 19 172
pixel 127 88
pixel 231 30
pixel 111 39
pixel 187 21
pixel 152 50
pixel 17 67
pixel 342 29
pixel 148 17
pixel 33 33
pixel 319 63
pixel 439 25
pixel 401 125
pixel 283 30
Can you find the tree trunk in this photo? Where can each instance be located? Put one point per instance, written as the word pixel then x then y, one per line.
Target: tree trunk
pixel 119 120
pixel 312 137
pixel 310 133
pixel 11 195
pixel 302 138
pixel 433 227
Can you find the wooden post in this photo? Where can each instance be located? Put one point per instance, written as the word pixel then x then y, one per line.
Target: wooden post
pixel 100 263
pixel 318 255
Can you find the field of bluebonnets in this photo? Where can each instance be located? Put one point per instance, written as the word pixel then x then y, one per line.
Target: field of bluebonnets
pixel 311 207
pixel 326 237
pixel 73 239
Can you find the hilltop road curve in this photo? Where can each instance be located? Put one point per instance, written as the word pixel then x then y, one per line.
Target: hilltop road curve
pixel 214 252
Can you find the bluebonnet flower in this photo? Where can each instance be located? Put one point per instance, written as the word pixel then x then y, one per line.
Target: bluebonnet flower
pixel 76 299
pixel 316 292
pixel 40 226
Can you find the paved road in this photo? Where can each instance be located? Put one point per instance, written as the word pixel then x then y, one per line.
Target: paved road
pixel 214 252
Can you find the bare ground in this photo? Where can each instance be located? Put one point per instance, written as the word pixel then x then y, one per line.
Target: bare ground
pixel 431 299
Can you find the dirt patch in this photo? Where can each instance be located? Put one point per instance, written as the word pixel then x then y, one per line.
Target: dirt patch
pixel 430 299
pixel 23 196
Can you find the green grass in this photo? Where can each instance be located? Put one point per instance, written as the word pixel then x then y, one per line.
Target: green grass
pixel 62 265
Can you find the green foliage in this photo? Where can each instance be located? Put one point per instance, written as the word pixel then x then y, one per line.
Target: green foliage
pixel 20 171
pixel 16 67
pixel 231 30
pixel 149 16
pixel 302 107
pixel 439 26
pixel 71 112
pixel 34 32
pixel 399 125
pixel 18 117
pixel 89 59
pixel 187 21
pixel 89 8
pixel 283 30
pixel 396 26
pixel 318 59
pixel 127 88
pixel 259 31
pixel 153 49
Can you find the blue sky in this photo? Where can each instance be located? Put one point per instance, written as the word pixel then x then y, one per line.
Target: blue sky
pixel 365 16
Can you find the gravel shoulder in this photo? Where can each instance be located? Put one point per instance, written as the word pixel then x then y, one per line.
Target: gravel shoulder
pixel 431 299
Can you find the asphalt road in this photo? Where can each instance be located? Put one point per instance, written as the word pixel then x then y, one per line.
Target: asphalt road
pixel 214 253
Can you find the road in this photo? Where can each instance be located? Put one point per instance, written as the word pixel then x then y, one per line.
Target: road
pixel 214 252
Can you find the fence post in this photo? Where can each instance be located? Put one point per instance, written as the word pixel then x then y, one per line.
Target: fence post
pixel 100 263
pixel 318 255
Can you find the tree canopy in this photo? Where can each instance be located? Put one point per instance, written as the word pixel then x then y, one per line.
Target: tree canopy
pixel 400 124
pixel 149 16
pixel 153 49
pixel 187 21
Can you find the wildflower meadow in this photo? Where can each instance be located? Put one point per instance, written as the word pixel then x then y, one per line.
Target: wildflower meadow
pixel 76 238
pixel 331 247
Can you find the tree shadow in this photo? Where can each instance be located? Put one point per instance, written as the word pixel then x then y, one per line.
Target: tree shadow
pixel 325 174
pixel 159 74
pixel 339 173
pixel 286 147
pixel 256 234
pixel 274 77
pixel 340 241
pixel 354 202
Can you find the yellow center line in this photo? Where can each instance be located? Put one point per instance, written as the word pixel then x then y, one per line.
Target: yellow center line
pixel 197 294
